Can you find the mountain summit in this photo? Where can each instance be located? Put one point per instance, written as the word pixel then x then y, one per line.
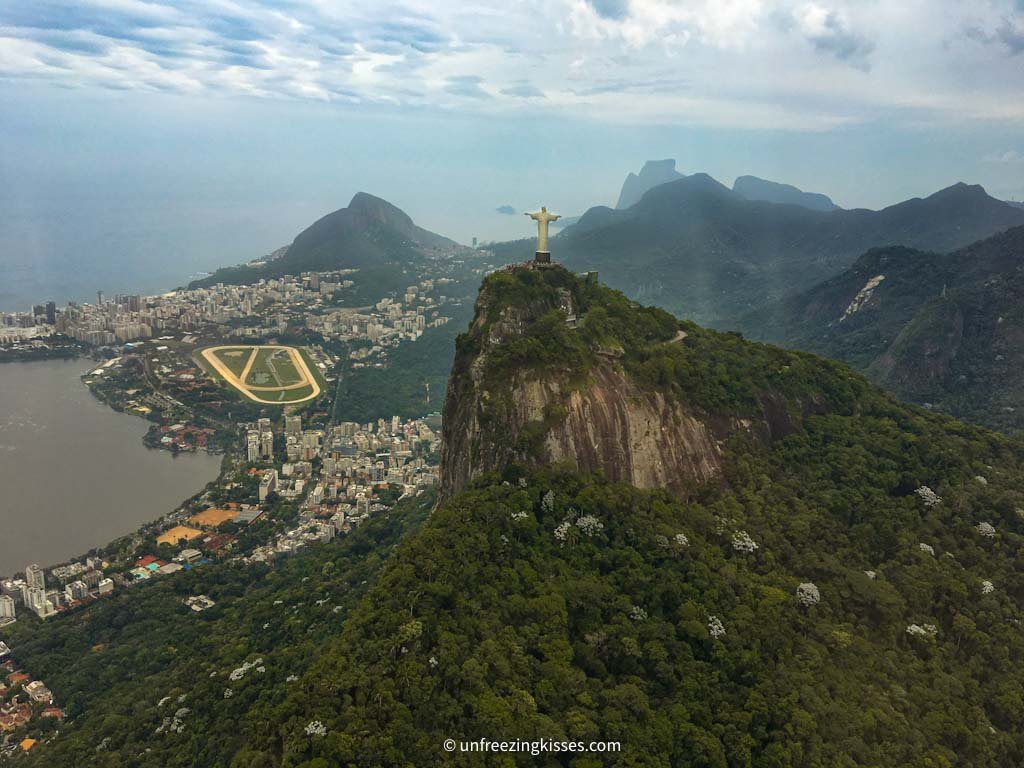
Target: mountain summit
pixel 369 231
pixel 655 533
pixel 653 173
pixel 534 383
pixel 370 234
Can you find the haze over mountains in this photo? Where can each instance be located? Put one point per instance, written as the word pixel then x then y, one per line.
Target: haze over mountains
pixel 753 188
pixel 369 234
pixel 654 173
pixel 703 251
pixel 689 243
pixel 947 329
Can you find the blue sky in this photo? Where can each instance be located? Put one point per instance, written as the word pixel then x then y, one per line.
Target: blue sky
pixel 212 131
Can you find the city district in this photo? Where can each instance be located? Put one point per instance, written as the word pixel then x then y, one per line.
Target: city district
pixel 246 372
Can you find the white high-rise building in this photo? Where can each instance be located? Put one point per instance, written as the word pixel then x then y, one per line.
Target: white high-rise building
pixel 6 607
pixel 34 577
pixel 268 484
pixel 267 445
pixel 252 446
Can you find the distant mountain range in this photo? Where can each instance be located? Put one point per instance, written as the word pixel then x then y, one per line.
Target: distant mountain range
pixel 703 251
pixel 657 172
pixel 947 329
pixel 370 234
pixel 753 188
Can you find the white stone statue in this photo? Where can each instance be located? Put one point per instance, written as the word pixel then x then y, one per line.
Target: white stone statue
pixel 543 218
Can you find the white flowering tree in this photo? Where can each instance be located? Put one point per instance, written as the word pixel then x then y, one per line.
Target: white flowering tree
pixel 715 627
pixel 987 587
pixel 927 548
pixel 807 594
pixel 589 525
pixel 547 502
pixel 928 496
pixel 986 529
pixel 316 728
pixel 563 532
pixel 742 542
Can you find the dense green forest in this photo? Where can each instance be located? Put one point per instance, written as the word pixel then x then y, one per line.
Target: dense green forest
pixel 401 388
pixel 557 606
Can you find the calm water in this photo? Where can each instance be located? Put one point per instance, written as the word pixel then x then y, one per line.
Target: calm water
pixel 74 473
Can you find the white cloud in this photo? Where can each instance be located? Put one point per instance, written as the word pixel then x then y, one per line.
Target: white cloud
pixel 1010 156
pixel 772 64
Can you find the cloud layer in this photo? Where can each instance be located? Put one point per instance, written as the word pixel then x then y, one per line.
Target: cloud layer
pixel 771 64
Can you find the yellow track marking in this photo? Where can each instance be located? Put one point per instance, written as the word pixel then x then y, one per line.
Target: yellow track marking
pixel 238 382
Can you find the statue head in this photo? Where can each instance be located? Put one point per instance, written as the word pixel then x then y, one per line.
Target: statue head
pixel 544 208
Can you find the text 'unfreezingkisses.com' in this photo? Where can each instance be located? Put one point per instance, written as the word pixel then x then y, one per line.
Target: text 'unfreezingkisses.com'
pixel 534 747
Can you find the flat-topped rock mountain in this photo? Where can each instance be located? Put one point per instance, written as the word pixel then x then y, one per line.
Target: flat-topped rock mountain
pixel 653 174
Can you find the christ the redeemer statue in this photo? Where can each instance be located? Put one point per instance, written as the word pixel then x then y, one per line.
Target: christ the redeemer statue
pixel 543 218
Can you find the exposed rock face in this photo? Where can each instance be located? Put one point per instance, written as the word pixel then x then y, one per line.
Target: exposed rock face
pixel 654 173
pixel 605 423
pixel 609 426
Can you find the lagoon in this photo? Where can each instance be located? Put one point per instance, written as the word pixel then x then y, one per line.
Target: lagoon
pixel 74 473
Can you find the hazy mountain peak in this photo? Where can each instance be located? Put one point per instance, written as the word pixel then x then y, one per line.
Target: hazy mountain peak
pixel 754 188
pixel 380 210
pixel 370 232
pixel 653 174
pixel 961 190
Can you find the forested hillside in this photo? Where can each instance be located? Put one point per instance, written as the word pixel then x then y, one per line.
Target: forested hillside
pixel 945 329
pixel 371 235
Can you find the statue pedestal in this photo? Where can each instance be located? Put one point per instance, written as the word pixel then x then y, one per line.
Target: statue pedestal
pixel 542 257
